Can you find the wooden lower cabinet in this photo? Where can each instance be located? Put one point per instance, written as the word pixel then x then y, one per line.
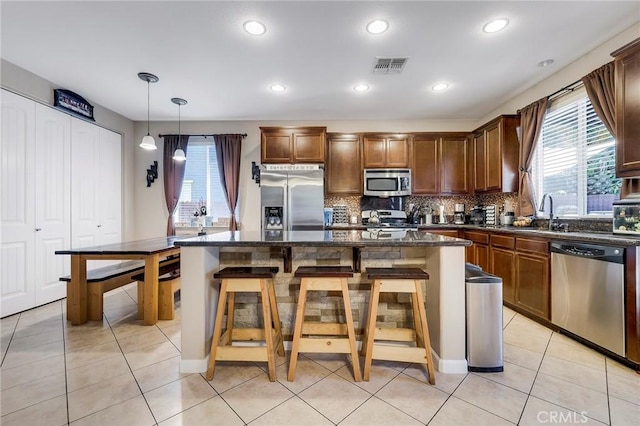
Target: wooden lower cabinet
pixel 503 263
pixel 533 278
pixel 532 289
pixel 478 253
pixel 523 264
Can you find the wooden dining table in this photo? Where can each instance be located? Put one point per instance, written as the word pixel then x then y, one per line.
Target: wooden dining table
pixel 151 251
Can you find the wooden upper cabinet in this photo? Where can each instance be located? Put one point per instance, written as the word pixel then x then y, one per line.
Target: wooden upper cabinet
pixel 439 163
pixel 425 164
pixel 627 77
pixel 382 151
pixel 343 173
pixel 293 144
pixel 495 155
pixel 454 164
pixel 479 162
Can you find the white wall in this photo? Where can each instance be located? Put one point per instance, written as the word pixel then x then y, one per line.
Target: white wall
pixel 569 74
pixel 34 87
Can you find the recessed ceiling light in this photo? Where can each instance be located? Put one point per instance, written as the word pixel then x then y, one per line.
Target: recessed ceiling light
pixel 377 26
pixel 495 25
pixel 545 63
pixel 254 27
pixel 361 87
pixel 277 88
pixel 439 87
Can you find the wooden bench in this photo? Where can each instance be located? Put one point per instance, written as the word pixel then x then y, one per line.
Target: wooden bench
pixel 168 284
pixel 107 278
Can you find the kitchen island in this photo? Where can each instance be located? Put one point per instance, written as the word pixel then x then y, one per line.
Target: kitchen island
pixel 442 257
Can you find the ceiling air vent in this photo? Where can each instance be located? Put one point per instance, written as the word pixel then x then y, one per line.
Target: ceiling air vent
pixel 389 65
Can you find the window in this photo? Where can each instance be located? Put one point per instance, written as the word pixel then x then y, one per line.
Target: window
pixel 201 186
pixel 575 159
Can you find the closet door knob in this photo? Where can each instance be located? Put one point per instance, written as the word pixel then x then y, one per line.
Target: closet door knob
pixel 38 229
pixel 99 226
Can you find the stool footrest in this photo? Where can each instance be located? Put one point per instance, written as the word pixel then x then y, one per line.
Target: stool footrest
pixel 248 334
pixel 242 353
pixel 324 345
pixel 395 334
pixel 324 328
pixel 398 353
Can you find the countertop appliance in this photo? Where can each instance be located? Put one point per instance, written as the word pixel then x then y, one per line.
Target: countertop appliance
pixel 490 215
pixel 292 197
pixel 386 219
pixel 387 182
pixel 478 215
pixel 587 292
pixel 458 214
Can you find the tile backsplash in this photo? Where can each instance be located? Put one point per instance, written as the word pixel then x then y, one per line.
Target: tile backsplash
pixel 502 200
pixel 353 202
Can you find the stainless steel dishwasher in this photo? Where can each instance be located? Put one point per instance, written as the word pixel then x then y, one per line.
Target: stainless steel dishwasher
pixel 587 292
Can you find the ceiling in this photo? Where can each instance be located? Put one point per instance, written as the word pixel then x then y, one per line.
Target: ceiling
pixel 318 49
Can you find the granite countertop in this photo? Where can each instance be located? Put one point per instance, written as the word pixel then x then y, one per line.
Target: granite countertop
pixel 340 238
pixel 578 236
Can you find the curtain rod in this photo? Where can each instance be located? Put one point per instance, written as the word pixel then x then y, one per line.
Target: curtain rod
pixel 244 135
pixel 567 89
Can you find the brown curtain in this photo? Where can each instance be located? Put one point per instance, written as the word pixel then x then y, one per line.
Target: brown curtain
pixel 228 152
pixel 600 85
pixel 173 175
pixel 531 118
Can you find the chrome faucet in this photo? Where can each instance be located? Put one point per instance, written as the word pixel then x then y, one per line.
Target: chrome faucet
pixel 551 218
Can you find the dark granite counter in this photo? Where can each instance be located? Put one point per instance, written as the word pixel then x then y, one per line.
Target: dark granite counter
pixel 337 238
pixel 578 236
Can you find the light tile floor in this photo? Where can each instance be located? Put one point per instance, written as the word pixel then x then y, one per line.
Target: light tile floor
pixel 118 372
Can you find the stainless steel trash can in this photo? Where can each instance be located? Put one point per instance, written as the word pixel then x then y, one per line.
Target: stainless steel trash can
pixel 484 321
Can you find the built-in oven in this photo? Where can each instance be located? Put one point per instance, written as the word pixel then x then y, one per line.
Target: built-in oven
pixel 387 182
pixel 587 292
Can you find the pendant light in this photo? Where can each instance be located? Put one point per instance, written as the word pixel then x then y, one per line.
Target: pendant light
pixel 148 142
pixel 179 155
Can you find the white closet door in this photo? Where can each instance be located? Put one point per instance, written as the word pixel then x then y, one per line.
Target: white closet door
pixel 18 204
pixel 53 202
pixel 85 178
pixel 110 187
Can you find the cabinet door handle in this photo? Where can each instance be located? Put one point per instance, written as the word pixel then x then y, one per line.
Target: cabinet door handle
pixel 38 229
pixel 99 226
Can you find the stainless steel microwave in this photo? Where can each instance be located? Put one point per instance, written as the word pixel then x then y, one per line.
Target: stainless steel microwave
pixel 387 182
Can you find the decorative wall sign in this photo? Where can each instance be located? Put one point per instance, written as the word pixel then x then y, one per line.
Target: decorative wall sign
pixel 152 173
pixel 72 102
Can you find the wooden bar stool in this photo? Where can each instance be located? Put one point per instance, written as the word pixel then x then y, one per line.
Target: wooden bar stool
pixel 244 280
pixel 324 278
pixel 397 280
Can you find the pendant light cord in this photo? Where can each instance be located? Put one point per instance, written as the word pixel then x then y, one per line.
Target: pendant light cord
pixel 148 106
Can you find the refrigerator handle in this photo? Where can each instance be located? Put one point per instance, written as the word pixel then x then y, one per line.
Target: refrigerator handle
pixel 287 205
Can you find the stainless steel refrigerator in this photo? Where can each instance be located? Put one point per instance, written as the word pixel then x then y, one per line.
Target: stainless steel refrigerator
pixel 291 197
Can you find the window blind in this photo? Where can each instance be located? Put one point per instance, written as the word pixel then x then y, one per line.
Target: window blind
pixel 575 159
